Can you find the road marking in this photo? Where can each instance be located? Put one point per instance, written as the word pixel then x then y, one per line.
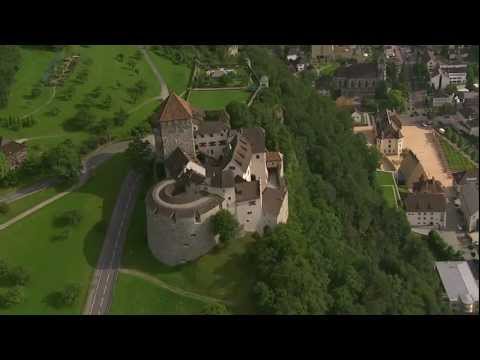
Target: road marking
pixel 101 302
pixel 108 277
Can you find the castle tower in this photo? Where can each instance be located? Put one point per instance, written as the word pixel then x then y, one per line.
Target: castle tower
pixel 173 127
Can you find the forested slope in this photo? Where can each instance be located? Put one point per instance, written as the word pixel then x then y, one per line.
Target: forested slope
pixel 343 250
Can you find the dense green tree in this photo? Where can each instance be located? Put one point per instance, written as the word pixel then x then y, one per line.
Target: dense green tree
pixel 69 218
pixel 140 154
pixel 225 225
pixel 63 161
pixel 120 117
pixel 18 276
pixel 69 294
pixel 4 207
pixel 13 296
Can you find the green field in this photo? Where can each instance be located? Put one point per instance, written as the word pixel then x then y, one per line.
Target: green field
pixel 26 203
pixel 216 100
pixel 222 274
pixel 456 160
pixel 176 76
pixel 387 184
pixel 53 263
pixel 104 71
pixel 137 296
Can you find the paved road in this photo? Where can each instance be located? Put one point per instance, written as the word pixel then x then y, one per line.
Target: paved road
pixel 29 190
pixel 91 162
pixel 101 288
pixel 163 86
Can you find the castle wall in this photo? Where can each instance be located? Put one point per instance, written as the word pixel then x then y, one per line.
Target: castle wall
pixel 175 134
pixel 272 220
pixel 182 240
pixel 211 144
pixel 249 215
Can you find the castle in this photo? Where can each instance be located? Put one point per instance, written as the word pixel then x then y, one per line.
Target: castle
pixel 209 167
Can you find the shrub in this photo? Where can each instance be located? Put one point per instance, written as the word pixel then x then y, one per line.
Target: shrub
pixel 225 225
pixel 13 296
pixel 69 218
pixel 18 276
pixel 4 207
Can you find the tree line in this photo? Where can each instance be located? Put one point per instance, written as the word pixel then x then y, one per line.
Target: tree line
pixel 9 64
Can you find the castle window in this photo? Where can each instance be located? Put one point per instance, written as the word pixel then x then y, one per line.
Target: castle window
pixel 258 156
pixel 222 142
pixel 252 203
pixel 229 198
pixel 231 167
pixel 211 135
pixel 249 213
pixel 254 178
pixel 193 234
pixel 212 143
pixel 203 144
pixel 248 220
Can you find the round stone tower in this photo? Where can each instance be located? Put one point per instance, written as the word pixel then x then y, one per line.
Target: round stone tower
pixel 178 222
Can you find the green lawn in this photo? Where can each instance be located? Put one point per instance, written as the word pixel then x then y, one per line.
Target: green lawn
pixel 387 184
pixel 215 100
pixel 456 160
pixel 137 296
pixel 222 274
pixel 176 76
pixel 52 263
pixel 26 203
pixel 385 178
pixel 389 195
pixel 104 71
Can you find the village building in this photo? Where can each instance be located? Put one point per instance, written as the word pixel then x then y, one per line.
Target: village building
pixel 209 167
pixel 388 132
pixel 444 75
pixel 460 285
pixel 426 209
pixel 359 79
pixel 15 153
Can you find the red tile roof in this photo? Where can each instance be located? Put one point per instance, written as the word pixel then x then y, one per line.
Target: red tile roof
pixel 174 108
